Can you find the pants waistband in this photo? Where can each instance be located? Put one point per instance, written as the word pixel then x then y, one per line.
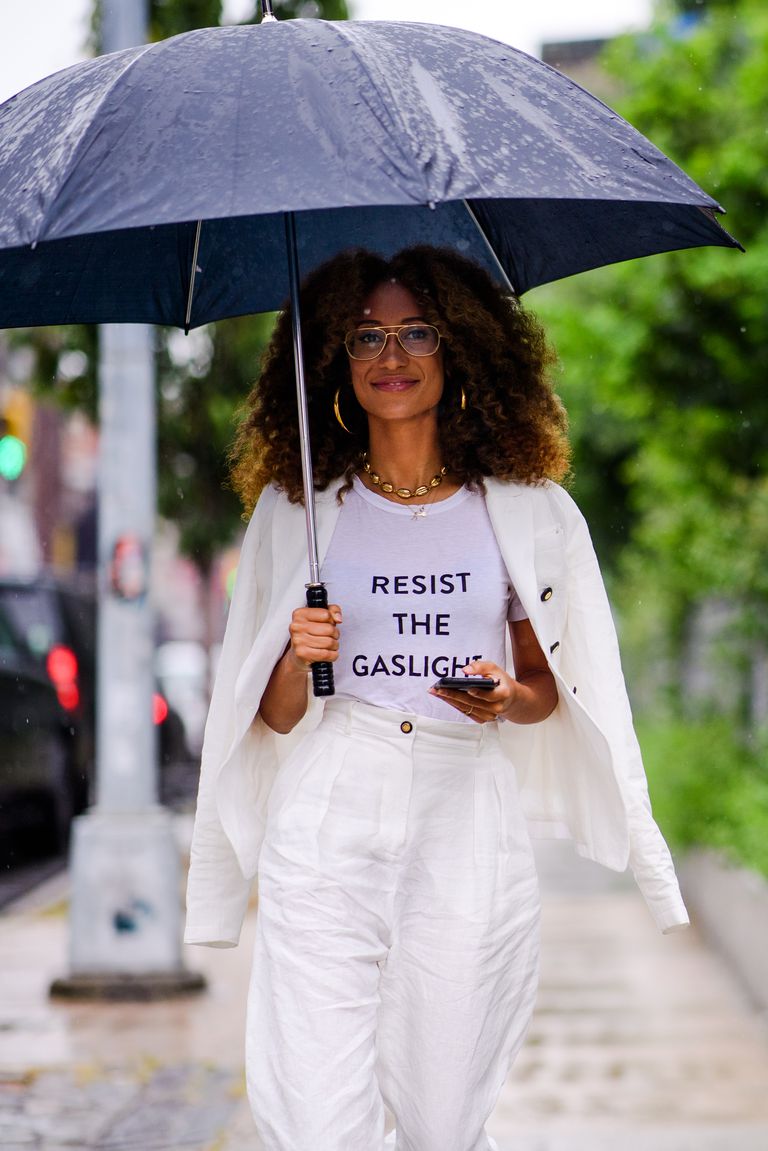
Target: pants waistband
pixel 352 716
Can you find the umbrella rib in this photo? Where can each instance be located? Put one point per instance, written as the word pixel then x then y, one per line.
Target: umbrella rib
pixel 380 84
pixel 377 84
pixel 192 276
pixel 489 247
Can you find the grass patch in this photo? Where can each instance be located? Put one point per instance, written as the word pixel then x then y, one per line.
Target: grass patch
pixel 709 787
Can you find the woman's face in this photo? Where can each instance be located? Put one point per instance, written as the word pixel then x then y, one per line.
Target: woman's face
pixel 396 385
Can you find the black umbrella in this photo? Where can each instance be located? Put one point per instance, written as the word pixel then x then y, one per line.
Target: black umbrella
pixel 189 180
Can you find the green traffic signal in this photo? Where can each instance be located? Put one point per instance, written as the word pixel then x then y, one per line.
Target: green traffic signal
pixel 13 457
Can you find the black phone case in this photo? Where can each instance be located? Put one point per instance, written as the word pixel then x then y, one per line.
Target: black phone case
pixel 465 682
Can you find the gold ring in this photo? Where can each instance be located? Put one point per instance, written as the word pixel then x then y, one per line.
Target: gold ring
pixel 470 711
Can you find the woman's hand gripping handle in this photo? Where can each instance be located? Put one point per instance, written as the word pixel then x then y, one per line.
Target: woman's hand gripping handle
pixel 322 670
pixel 314 633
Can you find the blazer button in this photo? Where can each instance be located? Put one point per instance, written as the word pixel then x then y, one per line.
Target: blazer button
pixel 554 646
pixel 406 727
pixel 546 594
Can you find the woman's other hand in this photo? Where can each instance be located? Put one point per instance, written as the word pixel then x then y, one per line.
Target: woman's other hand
pixel 482 705
pixel 528 697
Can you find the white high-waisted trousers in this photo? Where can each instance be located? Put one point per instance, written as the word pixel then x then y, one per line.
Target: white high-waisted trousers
pixel 396 953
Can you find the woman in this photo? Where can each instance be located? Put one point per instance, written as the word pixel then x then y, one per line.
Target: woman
pixel 397 933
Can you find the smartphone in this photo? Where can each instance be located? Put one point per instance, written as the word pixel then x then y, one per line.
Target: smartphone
pixel 465 682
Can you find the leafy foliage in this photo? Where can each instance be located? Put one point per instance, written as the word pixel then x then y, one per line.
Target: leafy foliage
pixel 664 360
pixel 709 788
pixel 204 378
pixel 663 369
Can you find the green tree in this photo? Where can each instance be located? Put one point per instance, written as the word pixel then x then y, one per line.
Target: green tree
pixel 664 360
pixel 664 364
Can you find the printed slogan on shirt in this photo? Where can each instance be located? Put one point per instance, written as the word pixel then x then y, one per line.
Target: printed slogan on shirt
pixel 417 624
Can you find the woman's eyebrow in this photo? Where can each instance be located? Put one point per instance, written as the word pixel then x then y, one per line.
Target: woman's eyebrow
pixel 378 323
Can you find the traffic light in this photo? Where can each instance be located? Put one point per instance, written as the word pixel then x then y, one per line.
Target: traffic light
pixel 15 419
pixel 13 456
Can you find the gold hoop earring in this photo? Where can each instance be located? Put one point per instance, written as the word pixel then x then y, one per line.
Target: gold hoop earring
pixel 337 412
pixel 463 404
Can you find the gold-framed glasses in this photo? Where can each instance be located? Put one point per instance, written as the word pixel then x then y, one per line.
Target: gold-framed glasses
pixel 415 339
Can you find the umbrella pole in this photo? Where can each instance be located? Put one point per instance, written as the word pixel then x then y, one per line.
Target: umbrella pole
pixel 317 594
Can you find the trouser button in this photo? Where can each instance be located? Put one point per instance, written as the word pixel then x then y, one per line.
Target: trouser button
pixel 406 727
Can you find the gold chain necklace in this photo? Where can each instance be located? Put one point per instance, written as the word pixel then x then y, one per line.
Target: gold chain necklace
pixel 403 493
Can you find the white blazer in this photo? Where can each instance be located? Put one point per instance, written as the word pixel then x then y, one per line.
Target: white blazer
pixel 580 771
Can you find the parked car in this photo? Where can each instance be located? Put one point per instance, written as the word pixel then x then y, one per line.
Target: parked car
pixel 39 786
pixel 56 622
pixel 52 628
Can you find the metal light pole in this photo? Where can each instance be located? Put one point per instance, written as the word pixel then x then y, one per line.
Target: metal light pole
pixel 125 930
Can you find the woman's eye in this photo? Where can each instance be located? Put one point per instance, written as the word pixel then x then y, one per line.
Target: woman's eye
pixel 414 335
pixel 369 339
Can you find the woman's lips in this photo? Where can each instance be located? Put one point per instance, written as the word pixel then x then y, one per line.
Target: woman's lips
pixel 393 384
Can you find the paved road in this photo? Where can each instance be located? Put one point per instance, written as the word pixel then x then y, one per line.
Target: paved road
pixel 640 1041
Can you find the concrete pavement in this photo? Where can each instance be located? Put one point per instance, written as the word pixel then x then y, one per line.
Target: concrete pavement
pixel 639 1040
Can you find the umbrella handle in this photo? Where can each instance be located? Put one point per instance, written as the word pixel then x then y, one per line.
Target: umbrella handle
pixel 322 672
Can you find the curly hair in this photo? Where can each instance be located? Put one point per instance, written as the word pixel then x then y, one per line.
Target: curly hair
pixel 514 427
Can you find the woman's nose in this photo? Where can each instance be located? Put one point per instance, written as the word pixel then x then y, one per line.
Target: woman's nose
pixel 394 352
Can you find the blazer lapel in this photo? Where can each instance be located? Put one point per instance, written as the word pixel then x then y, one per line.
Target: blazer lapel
pixel 511 514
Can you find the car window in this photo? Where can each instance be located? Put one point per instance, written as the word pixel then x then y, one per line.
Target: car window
pixel 8 640
pixel 32 614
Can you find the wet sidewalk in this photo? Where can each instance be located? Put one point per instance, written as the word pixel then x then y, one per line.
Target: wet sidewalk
pixel 640 1040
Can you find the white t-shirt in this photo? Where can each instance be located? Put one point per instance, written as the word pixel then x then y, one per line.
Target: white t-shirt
pixel 423 590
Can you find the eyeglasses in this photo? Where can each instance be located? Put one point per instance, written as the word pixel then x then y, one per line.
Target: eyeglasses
pixel 415 339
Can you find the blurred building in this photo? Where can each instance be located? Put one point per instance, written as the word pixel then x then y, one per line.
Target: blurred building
pixel 580 61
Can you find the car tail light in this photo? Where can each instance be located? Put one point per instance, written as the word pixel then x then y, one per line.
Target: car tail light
pixel 159 709
pixel 61 664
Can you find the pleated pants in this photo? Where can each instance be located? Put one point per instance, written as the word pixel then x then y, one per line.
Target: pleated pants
pixel 396 953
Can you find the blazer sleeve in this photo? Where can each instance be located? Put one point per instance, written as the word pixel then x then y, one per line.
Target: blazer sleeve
pixel 598 674
pixel 217 890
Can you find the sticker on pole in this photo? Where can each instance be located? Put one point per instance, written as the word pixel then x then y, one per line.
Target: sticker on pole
pixel 129 569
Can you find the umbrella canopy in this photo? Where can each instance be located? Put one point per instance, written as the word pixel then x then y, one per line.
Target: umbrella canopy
pixel 150 185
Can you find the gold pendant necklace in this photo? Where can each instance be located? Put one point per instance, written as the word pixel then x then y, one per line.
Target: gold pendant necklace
pixel 403 493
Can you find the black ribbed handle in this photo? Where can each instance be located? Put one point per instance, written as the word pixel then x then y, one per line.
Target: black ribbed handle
pixel 322 672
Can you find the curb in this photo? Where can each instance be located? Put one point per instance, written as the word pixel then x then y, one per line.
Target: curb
pixel 730 907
